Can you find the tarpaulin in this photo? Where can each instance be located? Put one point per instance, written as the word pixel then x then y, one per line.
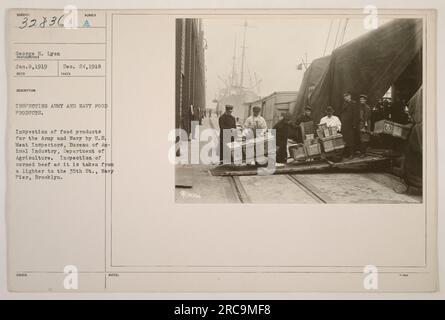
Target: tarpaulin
pixel 368 64
pixel 311 78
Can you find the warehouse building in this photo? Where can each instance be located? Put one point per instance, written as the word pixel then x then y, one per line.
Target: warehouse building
pixel 273 105
pixel 190 73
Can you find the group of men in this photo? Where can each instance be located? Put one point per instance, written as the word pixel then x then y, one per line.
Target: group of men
pixel 354 123
pixel 227 121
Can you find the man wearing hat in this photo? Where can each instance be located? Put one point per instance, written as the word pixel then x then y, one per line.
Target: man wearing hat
pixel 282 128
pixel 226 122
pixel 350 120
pixel 306 116
pixel 365 123
pixel 257 125
pixel 255 121
pixel 330 120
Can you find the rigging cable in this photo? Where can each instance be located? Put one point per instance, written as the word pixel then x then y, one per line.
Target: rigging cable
pixel 336 35
pixel 344 31
pixel 327 39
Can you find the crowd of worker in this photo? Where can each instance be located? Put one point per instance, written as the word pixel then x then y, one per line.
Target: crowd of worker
pixel 355 122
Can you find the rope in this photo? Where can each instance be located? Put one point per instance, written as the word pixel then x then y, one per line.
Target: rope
pixel 344 30
pixel 327 39
pixel 336 35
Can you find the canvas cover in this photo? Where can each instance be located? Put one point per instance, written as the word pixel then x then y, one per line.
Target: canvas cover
pixel 311 78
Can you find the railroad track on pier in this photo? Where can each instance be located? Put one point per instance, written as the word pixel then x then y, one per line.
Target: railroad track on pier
pixel 300 183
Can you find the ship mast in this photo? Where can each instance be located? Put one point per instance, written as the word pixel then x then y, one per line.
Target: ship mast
pixel 233 76
pixel 241 85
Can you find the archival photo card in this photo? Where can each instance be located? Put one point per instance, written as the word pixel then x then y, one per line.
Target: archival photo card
pixel 221 150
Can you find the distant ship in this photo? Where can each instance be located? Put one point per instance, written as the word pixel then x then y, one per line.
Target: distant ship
pixel 235 93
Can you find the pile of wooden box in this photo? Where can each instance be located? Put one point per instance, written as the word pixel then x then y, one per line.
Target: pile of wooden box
pixel 305 151
pixel 391 128
pixel 330 139
pixel 331 144
pixel 240 145
pixel 311 144
pixel 310 147
pixel 323 131
pixel 315 142
pixel 307 128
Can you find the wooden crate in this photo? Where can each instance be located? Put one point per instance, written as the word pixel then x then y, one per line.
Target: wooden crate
pixel 328 144
pixel 384 126
pixel 400 131
pixel 333 130
pixel 313 150
pixel 307 128
pixel 339 143
pixel 391 128
pixel 309 142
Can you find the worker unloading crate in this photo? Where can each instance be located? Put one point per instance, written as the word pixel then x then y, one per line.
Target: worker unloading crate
pixel 257 126
pixel 310 148
pixel 329 134
pixel 304 124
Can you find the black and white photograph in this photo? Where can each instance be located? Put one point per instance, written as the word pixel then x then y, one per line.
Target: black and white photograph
pixel 303 145
pixel 299 109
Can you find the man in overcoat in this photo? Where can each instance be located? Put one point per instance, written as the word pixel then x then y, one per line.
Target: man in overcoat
pixel 350 129
pixel 226 122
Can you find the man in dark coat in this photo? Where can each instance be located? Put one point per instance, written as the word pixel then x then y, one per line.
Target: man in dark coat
pixel 365 124
pixel 282 134
pixel 195 120
pixel 350 120
pixel 306 116
pixel 226 122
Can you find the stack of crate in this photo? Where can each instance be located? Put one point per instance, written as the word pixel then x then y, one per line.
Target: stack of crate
pixel 307 128
pixel 330 139
pixel 307 150
pixel 312 147
pixel 323 131
pixel 311 144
